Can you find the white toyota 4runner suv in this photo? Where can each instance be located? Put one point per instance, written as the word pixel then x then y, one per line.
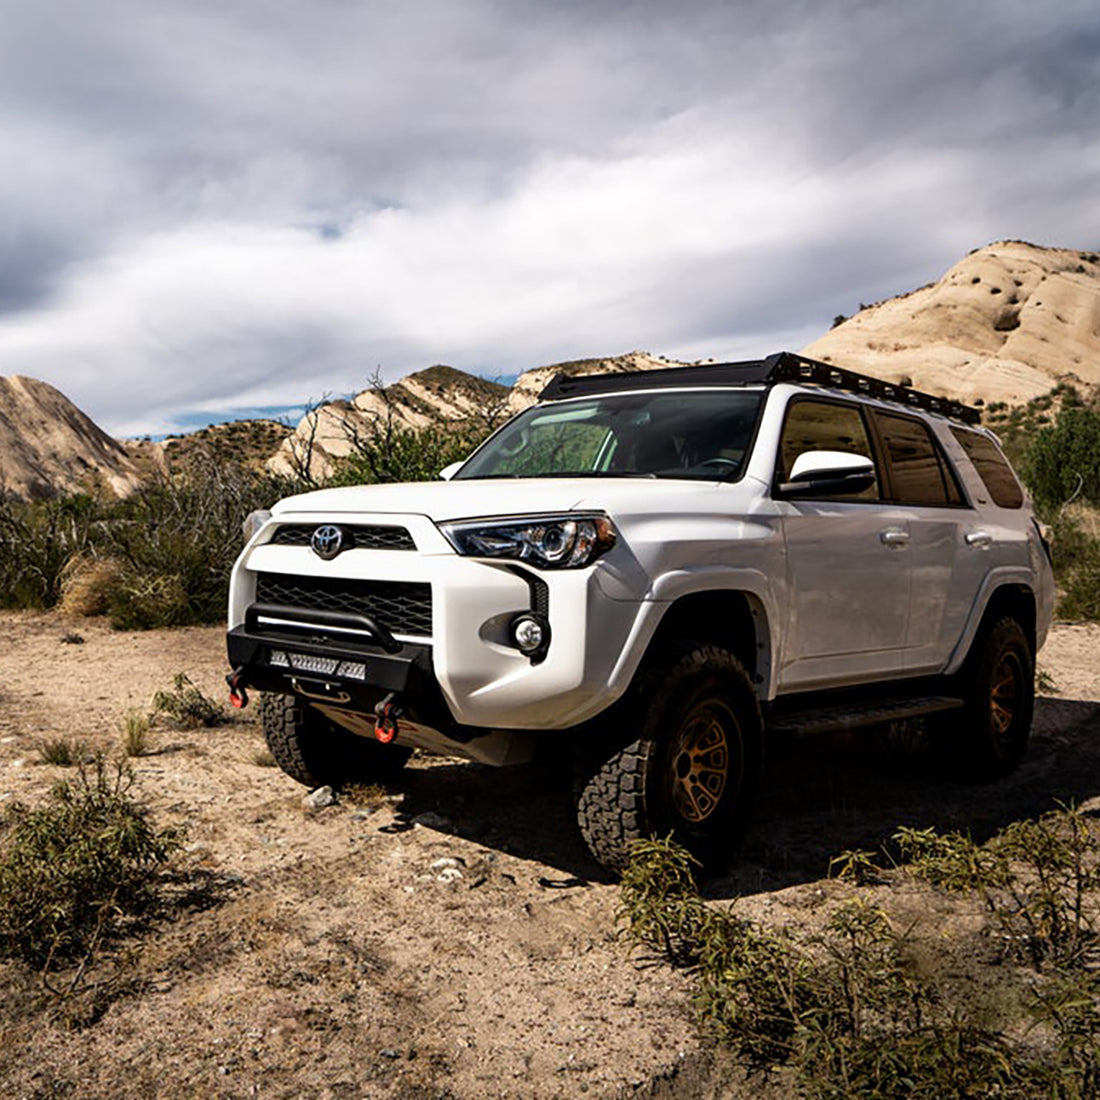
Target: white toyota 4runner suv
pixel 656 570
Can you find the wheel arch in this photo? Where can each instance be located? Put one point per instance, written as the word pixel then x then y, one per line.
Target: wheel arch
pixel 1008 599
pixel 732 619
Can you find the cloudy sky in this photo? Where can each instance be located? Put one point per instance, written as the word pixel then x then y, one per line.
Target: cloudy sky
pixel 214 205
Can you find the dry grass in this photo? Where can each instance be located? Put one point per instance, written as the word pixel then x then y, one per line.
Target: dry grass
pixel 88 585
pixel 134 732
pixel 262 758
pixel 62 752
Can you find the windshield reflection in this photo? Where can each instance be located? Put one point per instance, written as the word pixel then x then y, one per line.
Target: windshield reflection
pixel 696 434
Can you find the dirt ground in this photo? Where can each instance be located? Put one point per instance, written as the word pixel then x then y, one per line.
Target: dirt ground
pixel 451 940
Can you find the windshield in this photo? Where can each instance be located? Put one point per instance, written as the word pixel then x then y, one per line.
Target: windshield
pixel 699 434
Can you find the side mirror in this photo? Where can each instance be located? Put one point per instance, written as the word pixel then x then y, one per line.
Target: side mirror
pixel 828 474
pixel 449 471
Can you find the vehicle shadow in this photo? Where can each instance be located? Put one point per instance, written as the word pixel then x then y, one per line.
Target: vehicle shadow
pixel 525 811
pixel 820 796
pixel 824 796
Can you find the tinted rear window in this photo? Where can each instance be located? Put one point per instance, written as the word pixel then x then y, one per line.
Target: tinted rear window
pixel 992 467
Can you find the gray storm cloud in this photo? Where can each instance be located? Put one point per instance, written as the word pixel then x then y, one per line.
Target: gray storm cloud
pixel 218 205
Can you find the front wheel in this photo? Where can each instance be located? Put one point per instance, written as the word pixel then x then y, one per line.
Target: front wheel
pixel 691 769
pixel 317 752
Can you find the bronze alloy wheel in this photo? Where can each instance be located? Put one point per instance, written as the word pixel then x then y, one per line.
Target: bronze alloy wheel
pixel 1004 691
pixel 988 735
pixel 691 769
pixel 699 760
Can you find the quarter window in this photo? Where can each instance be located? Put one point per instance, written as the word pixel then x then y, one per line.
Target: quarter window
pixel 825 426
pixel 992 467
pixel 918 472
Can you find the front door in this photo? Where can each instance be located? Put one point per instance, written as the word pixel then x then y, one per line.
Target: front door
pixel 849 566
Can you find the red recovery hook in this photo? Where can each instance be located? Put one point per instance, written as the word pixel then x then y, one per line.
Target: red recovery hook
pixel 237 694
pixel 386 714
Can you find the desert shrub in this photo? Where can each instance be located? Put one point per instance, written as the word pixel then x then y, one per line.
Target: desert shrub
pixel 846 1012
pixel 88 584
pixel 161 557
pixel 75 869
pixel 1076 556
pixel 394 453
pixel 144 601
pixel 178 537
pixel 1040 881
pixel 37 540
pixel 186 707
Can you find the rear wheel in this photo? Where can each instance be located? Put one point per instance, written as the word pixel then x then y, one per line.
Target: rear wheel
pixel 690 770
pixel 999 692
pixel 316 752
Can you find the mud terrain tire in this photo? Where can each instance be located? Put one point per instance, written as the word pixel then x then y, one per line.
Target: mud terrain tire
pixel 317 752
pixel 999 692
pixel 691 771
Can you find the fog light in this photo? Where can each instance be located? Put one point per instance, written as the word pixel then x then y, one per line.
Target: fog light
pixel 530 633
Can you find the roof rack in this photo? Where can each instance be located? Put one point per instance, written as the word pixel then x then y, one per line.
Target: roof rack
pixel 784 366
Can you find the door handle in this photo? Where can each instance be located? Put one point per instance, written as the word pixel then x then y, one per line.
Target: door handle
pixel 979 540
pixel 894 536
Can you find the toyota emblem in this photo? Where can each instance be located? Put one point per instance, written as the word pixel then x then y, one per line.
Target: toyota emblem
pixel 327 541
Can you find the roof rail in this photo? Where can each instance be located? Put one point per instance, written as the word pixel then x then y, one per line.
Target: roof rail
pixel 784 366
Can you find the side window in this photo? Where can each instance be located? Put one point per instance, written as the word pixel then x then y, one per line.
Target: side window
pixel 992 467
pixel 824 426
pixel 918 472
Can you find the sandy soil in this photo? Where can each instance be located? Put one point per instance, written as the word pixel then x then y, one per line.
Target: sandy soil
pixel 452 939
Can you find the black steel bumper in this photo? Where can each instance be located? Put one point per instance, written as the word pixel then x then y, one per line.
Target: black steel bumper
pixel 407 670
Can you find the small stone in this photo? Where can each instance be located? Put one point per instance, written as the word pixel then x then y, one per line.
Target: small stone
pixel 388 1053
pixel 431 820
pixel 444 861
pixel 450 874
pixel 319 799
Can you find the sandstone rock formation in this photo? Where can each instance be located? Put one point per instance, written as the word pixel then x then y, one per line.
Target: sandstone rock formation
pixel 48 447
pixel 1006 323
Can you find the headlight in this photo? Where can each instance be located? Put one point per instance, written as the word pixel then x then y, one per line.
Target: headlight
pixel 253 522
pixel 571 541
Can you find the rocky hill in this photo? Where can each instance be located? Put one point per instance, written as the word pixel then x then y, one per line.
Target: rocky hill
pixel 48 447
pixel 1006 323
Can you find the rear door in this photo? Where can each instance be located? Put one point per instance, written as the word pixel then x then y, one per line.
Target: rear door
pixel 921 483
pixel 848 561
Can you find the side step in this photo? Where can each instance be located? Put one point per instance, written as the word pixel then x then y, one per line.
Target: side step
pixel 849 716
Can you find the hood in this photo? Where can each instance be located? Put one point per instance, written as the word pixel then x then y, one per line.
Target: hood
pixel 449 500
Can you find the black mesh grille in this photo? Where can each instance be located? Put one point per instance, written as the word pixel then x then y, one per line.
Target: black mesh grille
pixel 402 607
pixel 359 537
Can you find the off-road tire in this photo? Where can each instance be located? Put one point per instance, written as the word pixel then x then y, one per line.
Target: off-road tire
pixel 317 752
pixel 695 716
pixel 998 686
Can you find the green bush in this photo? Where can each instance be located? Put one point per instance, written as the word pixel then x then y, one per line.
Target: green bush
pixel 74 870
pixel 1076 569
pixel 1063 459
pixel 403 454
pixel 36 541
